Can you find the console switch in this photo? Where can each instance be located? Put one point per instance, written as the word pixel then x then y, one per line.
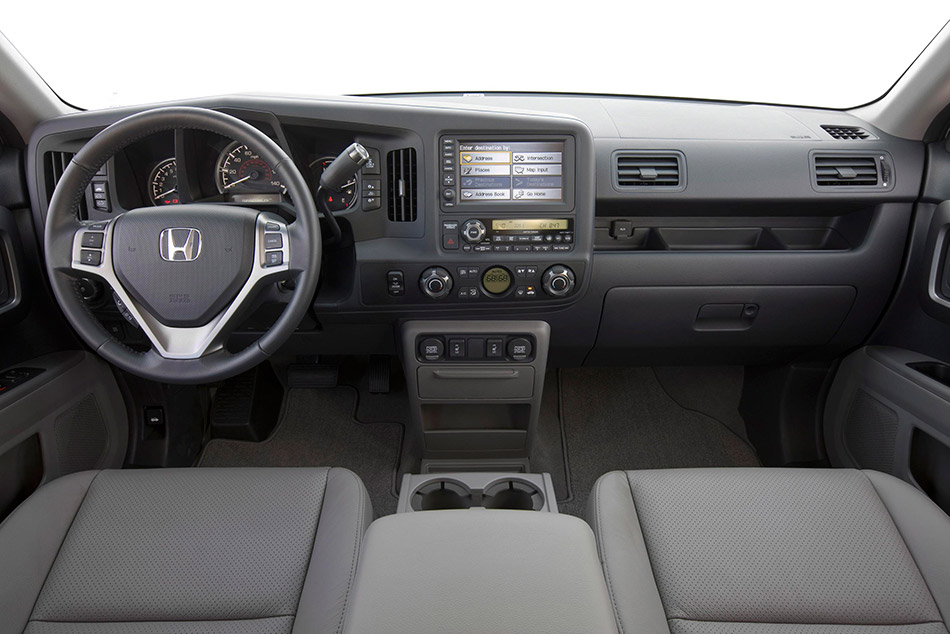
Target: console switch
pixel 495 349
pixel 431 349
pixel 519 349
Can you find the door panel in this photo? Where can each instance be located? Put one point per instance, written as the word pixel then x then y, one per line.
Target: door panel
pixel 889 406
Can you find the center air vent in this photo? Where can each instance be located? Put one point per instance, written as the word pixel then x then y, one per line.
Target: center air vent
pixel 851 170
pixel 846 132
pixel 401 168
pixel 650 169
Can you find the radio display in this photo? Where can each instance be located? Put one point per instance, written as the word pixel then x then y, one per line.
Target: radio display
pixel 530 224
pixel 518 171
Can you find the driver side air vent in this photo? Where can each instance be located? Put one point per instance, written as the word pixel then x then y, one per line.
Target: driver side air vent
pixel 846 132
pixel 649 169
pixel 401 168
pixel 54 164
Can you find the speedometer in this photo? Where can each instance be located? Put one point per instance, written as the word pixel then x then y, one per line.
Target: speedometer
pixel 242 170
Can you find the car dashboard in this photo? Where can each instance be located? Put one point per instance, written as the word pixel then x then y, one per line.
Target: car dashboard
pixel 642 230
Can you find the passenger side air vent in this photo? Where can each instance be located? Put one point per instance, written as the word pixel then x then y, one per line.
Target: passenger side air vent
pixel 650 169
pixel 401 168
pixel 850 170
pixel 846 132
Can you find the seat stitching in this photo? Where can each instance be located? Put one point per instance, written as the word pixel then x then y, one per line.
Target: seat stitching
pixel 904 541
pixel 253 618
pixel 646 548
pixel 60 549
pixel 679 618
pixel 313 543
pixel 349 582
pixel 603 556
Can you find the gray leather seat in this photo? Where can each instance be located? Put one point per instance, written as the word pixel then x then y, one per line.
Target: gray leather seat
pixel 780 551
pixel 190 551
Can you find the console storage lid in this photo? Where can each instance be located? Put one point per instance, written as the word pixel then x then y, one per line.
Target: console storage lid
pixel 479 571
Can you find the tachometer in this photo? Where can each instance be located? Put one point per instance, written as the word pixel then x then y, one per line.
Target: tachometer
pixel 242 170
pixel 336 201
pixel 163 183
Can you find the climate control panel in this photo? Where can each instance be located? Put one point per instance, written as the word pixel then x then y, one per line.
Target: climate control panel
pixel 504 282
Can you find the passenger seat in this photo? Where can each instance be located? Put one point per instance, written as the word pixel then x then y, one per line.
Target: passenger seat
pixel 774 551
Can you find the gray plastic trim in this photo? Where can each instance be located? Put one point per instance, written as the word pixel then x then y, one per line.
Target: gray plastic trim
pixel 918 401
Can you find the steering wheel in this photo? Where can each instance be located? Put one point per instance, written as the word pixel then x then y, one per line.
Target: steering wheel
pixel 185 273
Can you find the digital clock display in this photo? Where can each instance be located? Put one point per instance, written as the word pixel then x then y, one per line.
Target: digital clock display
pixel 496 280
pixel 530 224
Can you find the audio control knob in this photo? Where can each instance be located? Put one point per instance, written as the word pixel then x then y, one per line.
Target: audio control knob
pixel 435 282
pixel 473 231
pixel 558 281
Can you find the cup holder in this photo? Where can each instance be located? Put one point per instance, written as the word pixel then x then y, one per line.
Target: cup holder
pixel 441 495
pixel 514 495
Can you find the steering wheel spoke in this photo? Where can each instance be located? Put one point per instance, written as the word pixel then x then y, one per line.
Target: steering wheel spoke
pixel 93 255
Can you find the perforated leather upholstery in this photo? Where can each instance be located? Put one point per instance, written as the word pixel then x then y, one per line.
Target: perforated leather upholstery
pixel 184 550
pixel 772 550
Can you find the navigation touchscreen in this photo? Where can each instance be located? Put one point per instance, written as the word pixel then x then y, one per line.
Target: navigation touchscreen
pixel 515 171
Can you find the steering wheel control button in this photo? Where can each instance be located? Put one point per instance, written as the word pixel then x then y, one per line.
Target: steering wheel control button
pixel 92 240
pixel 558 281
pixel 496 280
pixel 519 349
pixel 431 349
pixel 90 258
pixel 495 349
pixel 273 258
pixel 436 282
pixel 271 226
pixel 273 241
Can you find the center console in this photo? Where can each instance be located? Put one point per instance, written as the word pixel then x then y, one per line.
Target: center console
pixel 479 571
pixel 474 388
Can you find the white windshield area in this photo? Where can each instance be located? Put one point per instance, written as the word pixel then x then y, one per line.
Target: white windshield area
pixel 112 53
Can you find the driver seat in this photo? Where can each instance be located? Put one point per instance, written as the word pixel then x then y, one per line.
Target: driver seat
pixel 165 551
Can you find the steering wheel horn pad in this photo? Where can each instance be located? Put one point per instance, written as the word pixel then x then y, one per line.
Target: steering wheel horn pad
pixel 184 267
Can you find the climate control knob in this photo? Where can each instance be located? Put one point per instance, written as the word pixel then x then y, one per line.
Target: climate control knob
pixel 435 282
pixel 473 231
pixel 558 281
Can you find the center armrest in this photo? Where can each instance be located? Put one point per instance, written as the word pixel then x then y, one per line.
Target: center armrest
pixel 479 571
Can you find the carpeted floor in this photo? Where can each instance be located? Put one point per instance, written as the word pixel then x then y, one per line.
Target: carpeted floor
pixel 319 427
pixel 626 418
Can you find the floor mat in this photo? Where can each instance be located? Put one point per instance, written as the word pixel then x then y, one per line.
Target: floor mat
pixel 623 418
pixel 318 428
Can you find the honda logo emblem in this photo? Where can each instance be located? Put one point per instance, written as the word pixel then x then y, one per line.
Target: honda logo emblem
pixel 180 244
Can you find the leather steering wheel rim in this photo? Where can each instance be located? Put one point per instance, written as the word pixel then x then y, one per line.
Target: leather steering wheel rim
pixel 63 226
